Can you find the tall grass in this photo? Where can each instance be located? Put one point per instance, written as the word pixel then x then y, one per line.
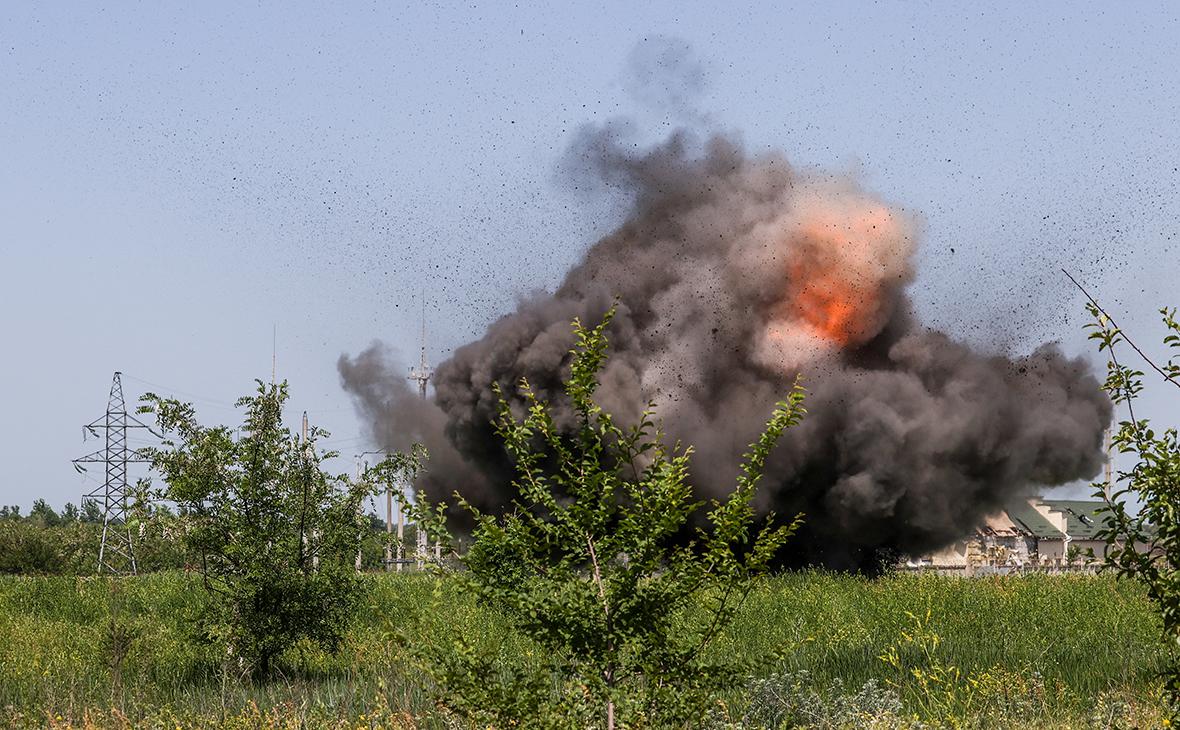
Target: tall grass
pixel 1090 633
pixel 105 648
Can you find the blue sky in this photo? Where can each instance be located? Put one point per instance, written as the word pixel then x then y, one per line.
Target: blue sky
pixel 178 179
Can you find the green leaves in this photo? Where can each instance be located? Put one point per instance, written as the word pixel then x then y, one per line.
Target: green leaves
pixel 608 563
pixel 274 534
pixel 1144 545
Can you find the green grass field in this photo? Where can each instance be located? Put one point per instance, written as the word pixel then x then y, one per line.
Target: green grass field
pixel 1039 651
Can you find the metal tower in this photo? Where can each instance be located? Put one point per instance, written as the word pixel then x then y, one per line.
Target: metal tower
pixel 420 375
pixel 115 553
pixel 423 372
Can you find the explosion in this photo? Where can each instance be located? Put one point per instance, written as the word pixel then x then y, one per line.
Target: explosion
pixel 833 264
pixel 732 275
pixel 842 252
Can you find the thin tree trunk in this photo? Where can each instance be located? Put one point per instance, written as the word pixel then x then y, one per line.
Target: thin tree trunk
pixel 609 674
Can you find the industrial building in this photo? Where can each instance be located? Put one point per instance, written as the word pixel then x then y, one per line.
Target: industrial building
pixel 1027 534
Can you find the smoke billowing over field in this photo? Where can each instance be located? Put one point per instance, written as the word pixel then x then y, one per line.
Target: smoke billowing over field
pixel 733 273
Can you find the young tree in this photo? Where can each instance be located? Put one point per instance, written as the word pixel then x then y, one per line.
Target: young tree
pixel 601 565
pixel 29 548
pixel 43 514
pixel 1143 545
pixel 91 512
pixel 276 535
pixel 70 514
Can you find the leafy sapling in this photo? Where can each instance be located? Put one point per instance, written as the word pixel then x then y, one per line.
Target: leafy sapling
pixel 621 578
pixel 1143 544
pixel 275 535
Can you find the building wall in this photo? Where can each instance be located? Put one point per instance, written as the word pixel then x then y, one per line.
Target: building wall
pixel 1057 519
pixel 952 555
pixel 1051 550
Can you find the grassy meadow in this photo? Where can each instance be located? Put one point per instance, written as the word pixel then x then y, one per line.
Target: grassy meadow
pixel 1030 651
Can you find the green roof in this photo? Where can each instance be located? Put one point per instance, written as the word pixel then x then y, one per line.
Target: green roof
pixel 1081 516
pixel 1026 517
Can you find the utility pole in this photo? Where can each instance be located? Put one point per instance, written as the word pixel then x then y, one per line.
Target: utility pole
pixel 359 513
pixel 420 557
pixel 310 542
pixel 115 553
pixel 1108 442
pixel 388 528
pixel 422 375
pixel 274 352
pixel 401 535
pixel 390 559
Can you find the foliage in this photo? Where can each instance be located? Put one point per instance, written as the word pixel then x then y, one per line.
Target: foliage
pixel 915 657
pixel 29 549
pixel 600 564
pixel 47 543
pixel 943 692
pixel 275 536
pixel 43 514
pixel 1144 545
pixel 1093 635
pixel 792 699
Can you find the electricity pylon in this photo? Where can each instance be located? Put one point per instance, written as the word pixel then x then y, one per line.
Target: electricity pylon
pixel 115 552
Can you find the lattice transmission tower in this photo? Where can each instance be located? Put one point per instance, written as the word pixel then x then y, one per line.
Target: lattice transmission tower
pixel 115 552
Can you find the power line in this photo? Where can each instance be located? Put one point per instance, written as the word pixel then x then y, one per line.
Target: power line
pixel 206 400
pixel 176 391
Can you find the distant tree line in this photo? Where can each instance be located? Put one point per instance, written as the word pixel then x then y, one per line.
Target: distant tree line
pixel 45 516
pixel 47 542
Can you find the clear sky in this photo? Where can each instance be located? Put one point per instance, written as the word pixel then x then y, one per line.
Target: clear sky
pixel 178 179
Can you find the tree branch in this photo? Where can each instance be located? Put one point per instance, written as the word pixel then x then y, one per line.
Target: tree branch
pixel 1126 339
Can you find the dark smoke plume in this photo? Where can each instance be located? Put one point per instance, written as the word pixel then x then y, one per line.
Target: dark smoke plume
pixel 733 273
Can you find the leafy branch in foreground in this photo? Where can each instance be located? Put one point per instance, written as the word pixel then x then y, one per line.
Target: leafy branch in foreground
pixel 1143 545
pixel 599 563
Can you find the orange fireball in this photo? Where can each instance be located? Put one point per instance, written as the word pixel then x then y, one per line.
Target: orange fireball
pixel 829 306
pixel 838 261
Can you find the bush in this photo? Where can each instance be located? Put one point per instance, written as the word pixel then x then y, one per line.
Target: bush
pixel 599 564
pixel 275 536
pixel 30 549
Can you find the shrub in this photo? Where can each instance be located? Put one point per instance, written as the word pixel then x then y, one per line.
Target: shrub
pixel 28 548
pixel 275 535
pixel 599 564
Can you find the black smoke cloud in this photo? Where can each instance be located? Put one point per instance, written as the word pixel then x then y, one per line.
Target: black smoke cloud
pixel 733 273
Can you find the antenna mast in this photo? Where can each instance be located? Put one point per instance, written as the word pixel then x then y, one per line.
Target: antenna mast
pixel 423 372
pixel 421 375
pixel 115 553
